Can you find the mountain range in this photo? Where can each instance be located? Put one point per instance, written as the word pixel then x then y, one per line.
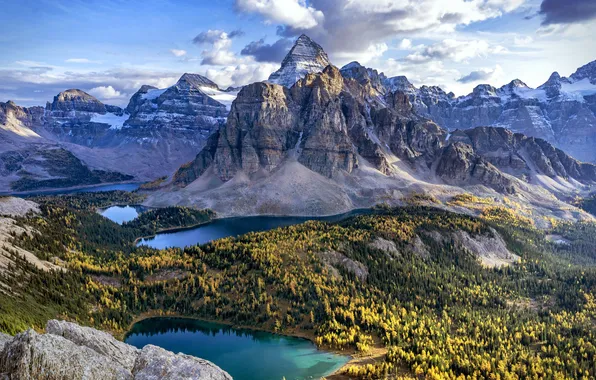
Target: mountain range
pixel 158 131
pixel 561 111
pixel 315 139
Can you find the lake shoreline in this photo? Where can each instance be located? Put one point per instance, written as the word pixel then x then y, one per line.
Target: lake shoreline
pixel 172 230
pixel 66 190
pixel 295 334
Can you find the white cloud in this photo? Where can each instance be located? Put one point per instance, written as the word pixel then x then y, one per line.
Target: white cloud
pixel 240 75
pixel 80 60
pixel 454 50
pixel 105 92
pixel 522 40
pixel 293 13
pixel 178 52
pixel 373 52
pixel 220 53
pixel 34 85
pixel 350 27
pixel 405 44
pixel 483 75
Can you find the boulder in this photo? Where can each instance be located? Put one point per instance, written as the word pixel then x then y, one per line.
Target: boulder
pixel 156 363
pixel 99 341
pixel 33 356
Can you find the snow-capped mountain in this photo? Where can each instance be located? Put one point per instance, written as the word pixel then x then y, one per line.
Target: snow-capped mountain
pixel 305 57
pixel 562 110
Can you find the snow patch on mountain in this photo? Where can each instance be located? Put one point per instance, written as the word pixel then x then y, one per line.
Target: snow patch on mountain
pixel 305 57
pixel 224 97
pixel 113 120
pixel 153 94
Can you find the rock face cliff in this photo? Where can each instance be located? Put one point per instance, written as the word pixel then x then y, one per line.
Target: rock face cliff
pixel 561 111
pixel 305 57
pixel 324 122
pixel 69 352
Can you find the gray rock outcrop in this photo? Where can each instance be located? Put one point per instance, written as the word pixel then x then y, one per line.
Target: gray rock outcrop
pixel 32 356
pixel 69 352
pixel 156 363
pixel 99 341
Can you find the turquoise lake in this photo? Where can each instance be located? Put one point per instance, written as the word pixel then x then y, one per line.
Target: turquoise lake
pixel 245 354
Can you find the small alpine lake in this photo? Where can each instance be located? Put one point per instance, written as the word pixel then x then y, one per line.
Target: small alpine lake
pixel 122 214
pixel 245 354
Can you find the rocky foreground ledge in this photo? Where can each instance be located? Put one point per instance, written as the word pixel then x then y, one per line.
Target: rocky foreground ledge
pixel 68 351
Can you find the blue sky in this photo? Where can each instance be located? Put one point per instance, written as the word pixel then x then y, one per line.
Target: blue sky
pixel 111 48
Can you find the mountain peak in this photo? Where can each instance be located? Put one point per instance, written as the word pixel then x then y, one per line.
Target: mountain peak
pixel 484 90
pixel 305 57
pixel 76 100
pixel 517 83
pixel 195 80
pixel 352 65
pixel 74 93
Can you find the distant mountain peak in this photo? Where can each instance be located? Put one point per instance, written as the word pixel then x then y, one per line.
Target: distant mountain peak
pixel 196 80
pixel 74 93
pixel 76 100
pixel 484 90
pixel 517 83
pixel 352 65
pixel 305 57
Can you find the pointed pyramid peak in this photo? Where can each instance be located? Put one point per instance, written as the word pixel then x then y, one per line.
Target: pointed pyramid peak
pixel 305 57
pixel 517 83
pixel 554 76
pixel 303 37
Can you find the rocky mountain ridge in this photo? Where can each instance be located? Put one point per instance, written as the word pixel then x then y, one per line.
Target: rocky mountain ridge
pixel 69 351
pixel 332 142
pixel 159 130
pixel 562 110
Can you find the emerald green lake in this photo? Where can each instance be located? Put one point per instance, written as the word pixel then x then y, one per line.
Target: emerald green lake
pixel 245 354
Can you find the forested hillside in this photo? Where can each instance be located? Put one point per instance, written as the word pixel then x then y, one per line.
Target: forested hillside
pixel 406 283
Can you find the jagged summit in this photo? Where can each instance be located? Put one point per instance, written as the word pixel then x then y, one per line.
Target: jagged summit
pixel 305 57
